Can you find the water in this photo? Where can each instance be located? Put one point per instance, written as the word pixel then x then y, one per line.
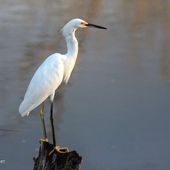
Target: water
pixel 115 109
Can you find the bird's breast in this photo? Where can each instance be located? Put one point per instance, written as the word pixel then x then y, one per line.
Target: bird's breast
pixel 69 66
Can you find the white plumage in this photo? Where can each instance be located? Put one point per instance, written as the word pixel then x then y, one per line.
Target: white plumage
pixel 56 69
pixel 45 81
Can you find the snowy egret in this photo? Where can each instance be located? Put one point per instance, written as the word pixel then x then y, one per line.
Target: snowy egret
pixel 56 69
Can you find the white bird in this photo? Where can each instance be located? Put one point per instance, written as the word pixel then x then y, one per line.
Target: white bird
pixel 56 69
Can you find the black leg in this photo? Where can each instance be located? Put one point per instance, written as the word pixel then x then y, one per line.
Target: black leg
pixel 52 124
pixel 56 148
pixel 42 121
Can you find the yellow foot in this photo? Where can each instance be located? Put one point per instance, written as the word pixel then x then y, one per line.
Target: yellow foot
pixel 43 140
pixel 59 149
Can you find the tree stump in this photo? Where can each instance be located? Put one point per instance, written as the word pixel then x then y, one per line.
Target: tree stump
pixel 56 160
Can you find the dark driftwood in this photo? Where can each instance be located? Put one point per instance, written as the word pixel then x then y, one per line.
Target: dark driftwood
pixel 56 161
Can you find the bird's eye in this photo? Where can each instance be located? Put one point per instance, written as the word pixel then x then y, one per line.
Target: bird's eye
pixel 84 23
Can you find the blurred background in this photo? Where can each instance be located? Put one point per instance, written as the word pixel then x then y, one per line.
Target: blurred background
pixel 115 110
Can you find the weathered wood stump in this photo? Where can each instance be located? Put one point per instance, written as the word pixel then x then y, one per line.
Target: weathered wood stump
pixel 56 160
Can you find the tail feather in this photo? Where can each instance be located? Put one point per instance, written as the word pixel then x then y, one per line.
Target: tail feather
pixel 29 104
pixel 23 111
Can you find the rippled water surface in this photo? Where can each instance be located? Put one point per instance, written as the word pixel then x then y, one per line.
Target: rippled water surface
pixel 115 111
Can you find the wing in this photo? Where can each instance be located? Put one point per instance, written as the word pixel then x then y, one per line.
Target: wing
pixel 45 81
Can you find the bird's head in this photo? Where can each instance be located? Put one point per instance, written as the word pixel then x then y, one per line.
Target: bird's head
pixel 74 24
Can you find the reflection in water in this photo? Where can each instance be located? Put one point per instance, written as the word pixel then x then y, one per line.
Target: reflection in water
pixel 147 25
pixel 118 100
pixel 165 50
pixel 7 132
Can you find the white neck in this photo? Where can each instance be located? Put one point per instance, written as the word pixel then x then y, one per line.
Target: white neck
pixel 72 45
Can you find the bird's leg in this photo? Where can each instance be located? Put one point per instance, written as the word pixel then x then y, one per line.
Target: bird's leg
pixel 43 124
pixel 56 148
pixel 52 123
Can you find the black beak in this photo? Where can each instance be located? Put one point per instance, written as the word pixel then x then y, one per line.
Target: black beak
pixel 95 26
